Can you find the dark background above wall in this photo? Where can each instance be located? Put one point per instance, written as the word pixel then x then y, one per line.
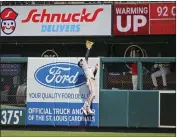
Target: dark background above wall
pixel 75 46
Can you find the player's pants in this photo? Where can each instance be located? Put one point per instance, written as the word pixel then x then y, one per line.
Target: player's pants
pixel 91 87
pixel 135 81
pixel 162 72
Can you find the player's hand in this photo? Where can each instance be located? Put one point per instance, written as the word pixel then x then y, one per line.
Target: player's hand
pixel 89 44
pixel 96 67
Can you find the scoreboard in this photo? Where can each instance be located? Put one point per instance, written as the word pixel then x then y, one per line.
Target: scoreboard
pixel 144 19
pixel 162 18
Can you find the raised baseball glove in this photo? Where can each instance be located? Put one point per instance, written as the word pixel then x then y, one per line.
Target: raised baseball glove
pixel 89 44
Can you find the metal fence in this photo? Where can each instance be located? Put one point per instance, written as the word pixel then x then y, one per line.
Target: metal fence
pixel 13 72
pixel 115 74
pixel 153 73
pixel 119 76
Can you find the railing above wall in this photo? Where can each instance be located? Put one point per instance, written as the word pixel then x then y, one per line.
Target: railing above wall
pixel 136 59
pixel 14 59
pixel 104 59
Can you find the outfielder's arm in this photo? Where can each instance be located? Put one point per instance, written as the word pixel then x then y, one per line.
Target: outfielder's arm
pixel 88 46
pixel 87 54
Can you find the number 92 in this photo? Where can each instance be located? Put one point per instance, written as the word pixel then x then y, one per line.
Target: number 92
pixel 163 11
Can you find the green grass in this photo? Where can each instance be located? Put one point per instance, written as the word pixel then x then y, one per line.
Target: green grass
pixel 8 133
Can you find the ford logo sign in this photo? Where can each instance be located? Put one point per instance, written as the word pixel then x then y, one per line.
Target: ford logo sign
pixel 60 75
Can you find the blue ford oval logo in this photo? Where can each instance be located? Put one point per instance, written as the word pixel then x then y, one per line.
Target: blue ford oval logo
pixel 60 75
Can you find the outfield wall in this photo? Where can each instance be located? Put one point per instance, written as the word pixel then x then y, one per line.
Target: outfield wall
pixel 128 109
pixel 116 108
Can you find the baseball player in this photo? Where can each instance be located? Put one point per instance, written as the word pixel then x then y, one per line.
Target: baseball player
pixel 134 68
pixel 160 70
pixel 90 76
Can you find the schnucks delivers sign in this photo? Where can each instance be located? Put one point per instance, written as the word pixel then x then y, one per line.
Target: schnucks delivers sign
pixel 56 91
pixel 144 19
pixel 65 20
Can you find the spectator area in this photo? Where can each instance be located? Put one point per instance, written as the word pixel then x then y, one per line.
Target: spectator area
pixel 13 3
